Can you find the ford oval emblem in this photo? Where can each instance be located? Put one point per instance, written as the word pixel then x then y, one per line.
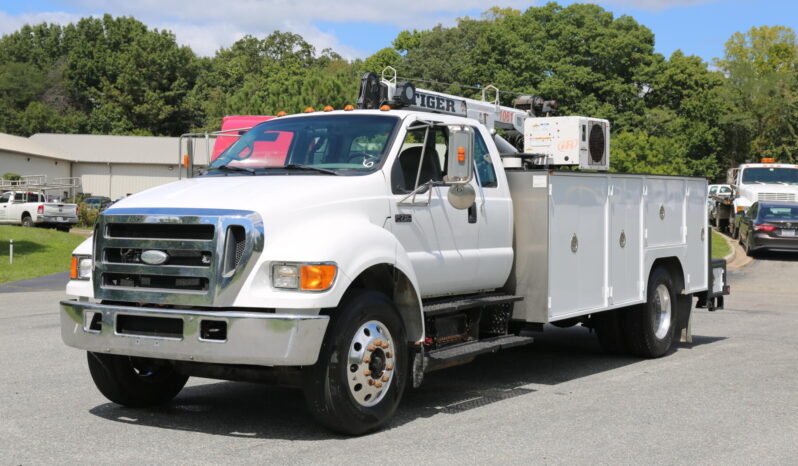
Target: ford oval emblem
pixel 154 257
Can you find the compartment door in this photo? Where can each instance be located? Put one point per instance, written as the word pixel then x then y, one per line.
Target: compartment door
pixel 626 240
pixel 577 244
pixel 697 237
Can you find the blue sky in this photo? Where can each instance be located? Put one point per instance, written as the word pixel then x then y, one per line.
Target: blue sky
pixel 357 28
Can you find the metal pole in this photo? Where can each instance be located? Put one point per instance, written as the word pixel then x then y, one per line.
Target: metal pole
pixel 11 251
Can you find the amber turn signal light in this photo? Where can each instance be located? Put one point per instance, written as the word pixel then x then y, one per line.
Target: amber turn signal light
pixel 73 270
pixel 317 277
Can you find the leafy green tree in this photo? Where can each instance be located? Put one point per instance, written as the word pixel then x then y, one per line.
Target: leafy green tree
pixel 762 92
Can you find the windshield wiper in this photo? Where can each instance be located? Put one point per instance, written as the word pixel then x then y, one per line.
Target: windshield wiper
pixel 233 168
pixel 295 166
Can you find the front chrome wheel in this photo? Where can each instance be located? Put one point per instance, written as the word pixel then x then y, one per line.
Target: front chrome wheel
pixel 662 311
pixel 371 363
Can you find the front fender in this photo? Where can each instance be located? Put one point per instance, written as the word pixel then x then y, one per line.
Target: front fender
pixel 82 288
pixel 354 244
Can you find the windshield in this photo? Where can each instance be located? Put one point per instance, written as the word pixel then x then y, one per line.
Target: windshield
pixel 344 144
pixel 770 175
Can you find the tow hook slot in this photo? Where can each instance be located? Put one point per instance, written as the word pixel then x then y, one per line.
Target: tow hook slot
pixel 213 330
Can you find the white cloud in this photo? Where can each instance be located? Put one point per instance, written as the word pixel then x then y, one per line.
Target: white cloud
pixel 655 5
pixel 207 25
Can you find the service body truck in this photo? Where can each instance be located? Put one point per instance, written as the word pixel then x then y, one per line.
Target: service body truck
pixel 752 182
pixel 385 242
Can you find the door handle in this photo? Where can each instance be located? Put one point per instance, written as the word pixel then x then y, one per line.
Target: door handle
pixel 472 213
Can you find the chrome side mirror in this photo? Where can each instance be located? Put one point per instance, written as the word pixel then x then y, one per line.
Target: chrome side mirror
pixel 460 166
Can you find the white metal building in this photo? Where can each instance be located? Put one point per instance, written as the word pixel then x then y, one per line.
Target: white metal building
pixel 26 157
pixel 112 166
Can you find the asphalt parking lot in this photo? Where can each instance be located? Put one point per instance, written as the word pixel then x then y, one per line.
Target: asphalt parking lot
pixel 730 397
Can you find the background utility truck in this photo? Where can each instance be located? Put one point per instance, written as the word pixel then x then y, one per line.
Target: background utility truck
pixel 752 182
pixel 383 243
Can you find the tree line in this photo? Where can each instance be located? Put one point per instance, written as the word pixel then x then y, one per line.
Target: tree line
pixel 669 115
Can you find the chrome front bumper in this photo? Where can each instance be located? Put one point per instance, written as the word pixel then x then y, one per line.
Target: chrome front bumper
pixel 251 337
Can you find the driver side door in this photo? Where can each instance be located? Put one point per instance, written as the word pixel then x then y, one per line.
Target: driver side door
pixel 441 241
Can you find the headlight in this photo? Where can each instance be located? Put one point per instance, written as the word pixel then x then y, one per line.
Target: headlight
pixel 81 268
pixel 305 277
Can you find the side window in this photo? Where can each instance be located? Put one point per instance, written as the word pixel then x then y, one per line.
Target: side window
pixel 5 198
pixel 406 167
pixel 485 171
pixel 19 197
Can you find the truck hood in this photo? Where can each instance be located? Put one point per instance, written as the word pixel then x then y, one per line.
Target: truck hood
pixel 272 196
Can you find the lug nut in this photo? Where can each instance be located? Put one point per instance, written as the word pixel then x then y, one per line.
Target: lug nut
pixel 366 372
pixel 387 354
pixel 378 384
pixel 385 345
pixel 378 342
pixel 371 382
pixel 366 360
pixel 389 367
pixel 370 348
pixel 384 378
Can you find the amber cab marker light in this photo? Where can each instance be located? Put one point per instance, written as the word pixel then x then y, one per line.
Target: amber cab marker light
pixel 349 107
pixel 316 277
pixel 281 113
pixel 385 108
pixel 310 110
pixel 768 160
pixel 73 270
pixel 328 108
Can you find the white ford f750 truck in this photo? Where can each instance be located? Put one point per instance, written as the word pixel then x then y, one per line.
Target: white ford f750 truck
pixel 349 252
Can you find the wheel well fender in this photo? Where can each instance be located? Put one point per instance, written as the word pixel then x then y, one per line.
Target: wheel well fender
pixel 683 301
pixel 26 214
pixel 398 286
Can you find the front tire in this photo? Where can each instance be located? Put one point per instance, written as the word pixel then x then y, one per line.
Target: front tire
pixel 357 383
pixel 650 327
pixel 135 382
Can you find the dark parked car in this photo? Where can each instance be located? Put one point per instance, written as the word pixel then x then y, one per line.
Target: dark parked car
pixel 97 202
pixel 770 225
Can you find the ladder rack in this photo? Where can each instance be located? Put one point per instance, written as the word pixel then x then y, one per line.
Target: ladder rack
pixel 40 183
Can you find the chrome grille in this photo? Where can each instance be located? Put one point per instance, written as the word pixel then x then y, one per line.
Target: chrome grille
pixel 203 255
pixel 786 197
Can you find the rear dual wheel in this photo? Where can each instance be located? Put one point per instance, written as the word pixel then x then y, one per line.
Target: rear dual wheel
pixel 646 330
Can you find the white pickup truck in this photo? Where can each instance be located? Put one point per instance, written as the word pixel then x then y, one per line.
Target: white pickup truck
pixel 349 252
pixel 29 208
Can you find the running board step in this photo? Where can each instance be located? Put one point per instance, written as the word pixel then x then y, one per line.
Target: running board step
pixel 465 352
pixel 451 305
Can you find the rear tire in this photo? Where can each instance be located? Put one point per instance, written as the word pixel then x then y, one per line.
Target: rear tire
pixel 650 327
pixel 135 382
pixel 357 383
pixel 27 222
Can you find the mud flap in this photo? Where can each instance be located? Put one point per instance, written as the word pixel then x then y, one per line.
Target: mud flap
pixel 684 318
